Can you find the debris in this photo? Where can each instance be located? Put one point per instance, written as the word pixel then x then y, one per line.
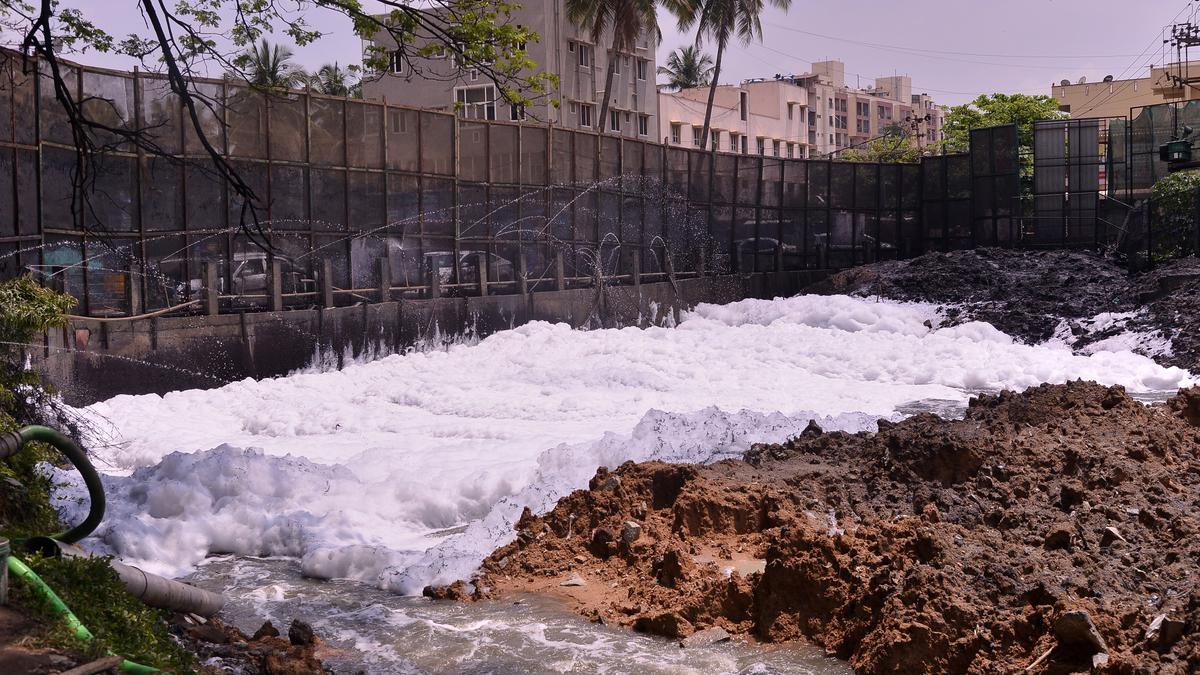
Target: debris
pixel 630 532
pixel 574 580
pixel 708 636
pixel 1110 535
pixel 1075 629
pixel 300 633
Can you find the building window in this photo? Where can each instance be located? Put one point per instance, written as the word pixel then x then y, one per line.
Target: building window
pixel 733 142
pixel 863 109
pixel 744 144
pixel 516 113
pixel 676 133
pixel 397 62
pixel 585 56
pixel 812 118
pixel 762 145
pixel 439 52
pixel 744 104
pixel 616 59
pixel 778 149
pixel 791 114
pixel 696 131
pixel 791 150
pixel 643 125
pixel 585 115
pixel 614 120
pixel 642 64
pixel 476 103
pixel 474 75
pixel 885 112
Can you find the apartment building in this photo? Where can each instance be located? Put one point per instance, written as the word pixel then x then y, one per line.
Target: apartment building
pixel 810 115
pixel 1115 98
pixel 439 82
pixel 766 117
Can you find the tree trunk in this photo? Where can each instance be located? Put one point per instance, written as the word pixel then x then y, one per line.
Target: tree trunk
pixel 712 96
pixel 608 79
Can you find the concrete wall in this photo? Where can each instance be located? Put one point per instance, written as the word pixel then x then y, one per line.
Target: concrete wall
pixel 91 360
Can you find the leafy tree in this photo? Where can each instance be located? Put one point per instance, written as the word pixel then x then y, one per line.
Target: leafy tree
pixel 890 148
pixel 184 39
pixel 686 68
pixel 270 66
pixel 333 80
pixel 720 21
pixel 627 19
pixel 994 110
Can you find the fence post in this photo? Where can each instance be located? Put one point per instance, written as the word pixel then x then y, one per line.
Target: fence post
pixel 327 283
pixel 385 279
pixel 212 294
pixel 135 287
pixel 481 273
pixel 668 266
pixel 435 278
pixel 560 276
pixel 522 273
pixel 635 269
pixel 779 256
pixel 275 284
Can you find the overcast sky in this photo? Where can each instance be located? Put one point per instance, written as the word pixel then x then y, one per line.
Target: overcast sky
pixel 953 49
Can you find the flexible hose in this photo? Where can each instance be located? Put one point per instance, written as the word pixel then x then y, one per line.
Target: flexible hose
pixel 12 442
pixel 21 571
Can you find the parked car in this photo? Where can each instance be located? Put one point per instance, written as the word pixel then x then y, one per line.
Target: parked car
pixel 499 269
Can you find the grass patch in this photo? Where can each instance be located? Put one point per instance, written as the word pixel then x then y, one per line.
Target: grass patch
pixel 119 622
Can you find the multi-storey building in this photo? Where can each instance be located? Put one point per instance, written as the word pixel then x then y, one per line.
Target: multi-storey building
pixel 811 115
pixel 1116 98
pixel 439 82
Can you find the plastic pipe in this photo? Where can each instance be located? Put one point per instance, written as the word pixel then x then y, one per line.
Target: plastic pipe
pixel 11 443
pixel 152 589
pixel 21 571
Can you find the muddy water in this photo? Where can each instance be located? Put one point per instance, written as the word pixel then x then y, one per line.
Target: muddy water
pixel 379 632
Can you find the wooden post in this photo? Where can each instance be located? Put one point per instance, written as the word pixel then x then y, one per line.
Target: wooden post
pixel 560 276
pixel 210 291
pixel 779 256
pixel 275 284
pixel 135 287
pixel 481 272
pixel 668 266
pixel 327 283
pixel 522 273
pixel 385 280
pixel 435 279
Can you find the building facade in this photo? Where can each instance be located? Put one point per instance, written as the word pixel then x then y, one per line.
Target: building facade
pixel 1116 98
pixel 811 115
pixel 440 83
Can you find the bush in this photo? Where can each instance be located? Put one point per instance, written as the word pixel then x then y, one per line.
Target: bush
pixel 1174 196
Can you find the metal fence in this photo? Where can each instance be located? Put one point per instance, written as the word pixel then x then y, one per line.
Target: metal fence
pixel 368 201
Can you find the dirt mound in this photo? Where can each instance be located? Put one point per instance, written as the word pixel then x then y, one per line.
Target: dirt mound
pixel 1054 528
pixel 1028 294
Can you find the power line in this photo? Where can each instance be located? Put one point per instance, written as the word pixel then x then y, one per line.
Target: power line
pixel 1132 64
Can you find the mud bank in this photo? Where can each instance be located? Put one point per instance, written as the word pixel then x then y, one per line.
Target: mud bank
pixel 1081 298
pixel 1053 530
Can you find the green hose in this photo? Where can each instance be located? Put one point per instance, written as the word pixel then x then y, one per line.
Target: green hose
pixel 12 442
pixel 90 478
pixel 21 571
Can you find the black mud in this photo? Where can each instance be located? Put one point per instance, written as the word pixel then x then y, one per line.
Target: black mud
pixel 1029 294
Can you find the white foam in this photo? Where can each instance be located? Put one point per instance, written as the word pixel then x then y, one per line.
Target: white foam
pixel 359 472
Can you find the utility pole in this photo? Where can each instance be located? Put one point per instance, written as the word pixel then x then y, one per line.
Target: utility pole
pixel 1184 36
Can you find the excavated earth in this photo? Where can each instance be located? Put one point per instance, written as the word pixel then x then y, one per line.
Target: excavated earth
pixel 1050 531
pixel 1027 294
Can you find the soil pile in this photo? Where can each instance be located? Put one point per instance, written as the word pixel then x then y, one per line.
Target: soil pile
pixel 1029 294
pixel 1055 528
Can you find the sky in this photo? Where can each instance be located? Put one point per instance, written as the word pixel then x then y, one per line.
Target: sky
pixel 953 49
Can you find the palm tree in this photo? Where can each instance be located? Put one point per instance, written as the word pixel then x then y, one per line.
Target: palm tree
pixel 332 80
pixel 270 66
pixel 687 67
pixel 626 18
pixel 721 20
